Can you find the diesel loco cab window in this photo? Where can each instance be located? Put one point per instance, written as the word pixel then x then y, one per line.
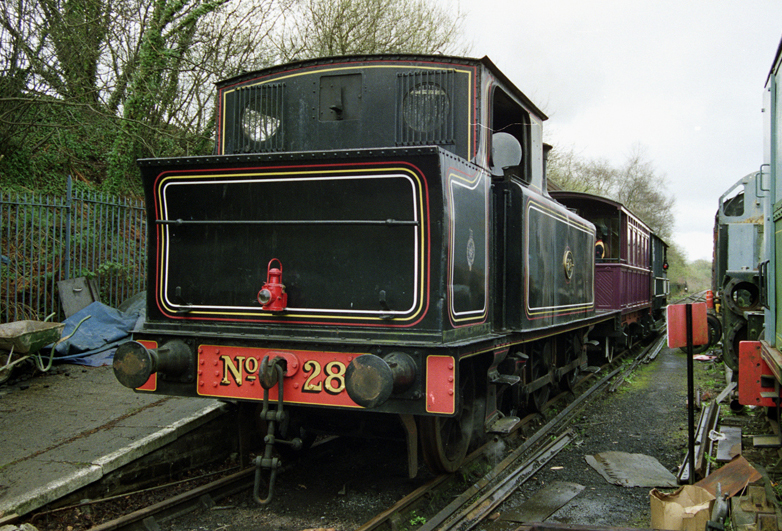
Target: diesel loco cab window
pixel 734 206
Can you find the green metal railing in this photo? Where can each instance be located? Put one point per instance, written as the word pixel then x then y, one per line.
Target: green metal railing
pixel 45 240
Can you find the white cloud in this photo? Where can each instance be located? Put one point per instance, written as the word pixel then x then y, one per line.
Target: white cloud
pixel 683 79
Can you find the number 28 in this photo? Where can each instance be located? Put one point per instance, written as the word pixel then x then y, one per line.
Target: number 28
pixel 333 382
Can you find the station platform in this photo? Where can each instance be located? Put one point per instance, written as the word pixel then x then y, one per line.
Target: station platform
pixel 68 428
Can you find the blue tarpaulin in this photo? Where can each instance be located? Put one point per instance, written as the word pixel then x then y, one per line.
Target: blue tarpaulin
pixel 96 339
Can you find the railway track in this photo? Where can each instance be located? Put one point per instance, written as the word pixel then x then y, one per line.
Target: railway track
pixel 483 497
pixel 466 510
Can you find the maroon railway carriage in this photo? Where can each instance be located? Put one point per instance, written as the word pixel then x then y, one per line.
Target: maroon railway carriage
pixel 624 279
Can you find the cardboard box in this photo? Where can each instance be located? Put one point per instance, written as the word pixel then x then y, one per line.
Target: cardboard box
pixel 686 509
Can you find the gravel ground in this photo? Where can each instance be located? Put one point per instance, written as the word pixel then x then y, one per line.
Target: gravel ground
pixel 647 415
pixel 343 483
pixel 339 486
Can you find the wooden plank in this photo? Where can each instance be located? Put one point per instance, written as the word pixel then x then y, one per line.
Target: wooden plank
pixel 766 441
pixel 773 359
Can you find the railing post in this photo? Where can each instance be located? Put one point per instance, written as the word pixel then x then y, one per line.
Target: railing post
pixel 68 200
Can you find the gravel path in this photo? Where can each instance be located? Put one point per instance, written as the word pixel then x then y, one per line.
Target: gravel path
pixel 647 415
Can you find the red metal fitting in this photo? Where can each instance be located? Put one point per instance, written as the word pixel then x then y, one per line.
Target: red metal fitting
pixel 272 295
pixel 710 300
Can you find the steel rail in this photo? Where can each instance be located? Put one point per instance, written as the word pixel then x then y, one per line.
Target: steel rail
pixel 525 448
pixel 416 495
pixel 649 352
pixel 433 523
pixel 183 502
pixel 471 515
pixel 204 495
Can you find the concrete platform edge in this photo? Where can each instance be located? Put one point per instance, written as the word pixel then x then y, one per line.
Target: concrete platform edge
pixel 156 440
pixel 82 477
pixel 52 491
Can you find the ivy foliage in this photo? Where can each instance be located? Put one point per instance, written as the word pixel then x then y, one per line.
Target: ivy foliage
pixel 87 87
pixel 72 142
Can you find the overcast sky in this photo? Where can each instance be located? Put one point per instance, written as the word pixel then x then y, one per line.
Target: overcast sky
pixel 683 79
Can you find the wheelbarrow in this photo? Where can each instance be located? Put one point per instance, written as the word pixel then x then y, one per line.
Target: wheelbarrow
pixel 24 339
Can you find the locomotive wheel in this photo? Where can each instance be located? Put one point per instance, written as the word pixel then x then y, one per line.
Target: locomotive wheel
pixel 540 366
pixel 735 335
pixel 715 329
pixel 445 440
pixel 572 352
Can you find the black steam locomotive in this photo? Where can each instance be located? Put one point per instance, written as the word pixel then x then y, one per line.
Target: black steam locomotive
pixel 374 235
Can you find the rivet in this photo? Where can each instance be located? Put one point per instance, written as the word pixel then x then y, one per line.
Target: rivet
pixel 450 378
pixel 450 392
pixel 201 384
pixel 215 385
pixel 296 386
pixel 450 366
pixel 200 372
pixel 217 373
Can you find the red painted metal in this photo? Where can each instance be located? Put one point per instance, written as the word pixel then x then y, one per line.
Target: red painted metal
pixel 311 377
pixel 677 325
pixel 273 291
pixel 752 367
pixel 441 384
pixel 151 383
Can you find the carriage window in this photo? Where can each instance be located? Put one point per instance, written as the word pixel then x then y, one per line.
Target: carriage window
pixel 426 114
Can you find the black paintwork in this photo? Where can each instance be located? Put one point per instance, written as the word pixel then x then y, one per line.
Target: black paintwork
pixel 390 229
